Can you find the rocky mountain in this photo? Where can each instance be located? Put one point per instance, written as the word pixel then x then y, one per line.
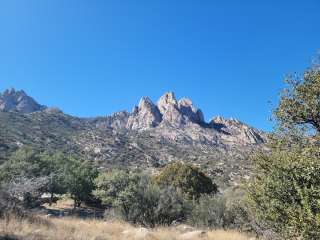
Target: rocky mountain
pixel 152 135
pixel 19 101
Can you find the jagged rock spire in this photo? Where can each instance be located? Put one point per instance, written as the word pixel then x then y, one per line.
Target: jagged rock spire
pixel 145 116
pixel 19 101
pixel 166 102
pixel 167 111
pixel 194 114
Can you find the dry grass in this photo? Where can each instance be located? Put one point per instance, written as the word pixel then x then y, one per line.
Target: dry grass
pixel 72 228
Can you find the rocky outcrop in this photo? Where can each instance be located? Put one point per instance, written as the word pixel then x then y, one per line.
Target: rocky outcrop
pixel 182 121
pixel 169 108
pixel 18 101
pixel 168 111
pixel 237 129
pixel 192 113
pixel 145 116
pixel 116 121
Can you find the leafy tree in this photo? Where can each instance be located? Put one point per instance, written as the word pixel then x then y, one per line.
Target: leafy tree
pixel 300 101
pixel 110 184
pixel 187 179
pixel 54 170
pixel 47 173
pixel 42 171
pixel 284 192
pixel 24 162
pixel 79 180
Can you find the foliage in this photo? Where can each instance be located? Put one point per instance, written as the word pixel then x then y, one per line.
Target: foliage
pixel 79 180
pixel 187 179
pixel 24 162
pixel 109 185
pixel 138 200
pixel 150 205
pixel 29 173
pixel 208 211
pixel 300 102
pixel 55 165
pixel 227 210
pixel 284 192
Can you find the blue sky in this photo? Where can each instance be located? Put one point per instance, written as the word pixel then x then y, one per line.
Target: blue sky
pixel 94 57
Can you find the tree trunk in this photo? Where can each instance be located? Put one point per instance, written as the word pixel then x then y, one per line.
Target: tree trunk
pixel 51 199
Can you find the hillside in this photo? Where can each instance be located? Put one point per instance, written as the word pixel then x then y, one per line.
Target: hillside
pixel 148 137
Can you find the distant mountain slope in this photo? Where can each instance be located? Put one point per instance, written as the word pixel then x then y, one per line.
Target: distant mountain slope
pixel 149 137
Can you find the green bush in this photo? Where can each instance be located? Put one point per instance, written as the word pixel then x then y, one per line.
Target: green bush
pixel 285 192
pixel 187 179
pixel 109 185
pixel 208 211
pixel 137 200
pixel 220 211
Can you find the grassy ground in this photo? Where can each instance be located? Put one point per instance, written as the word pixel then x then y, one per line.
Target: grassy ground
pixel 75 226
pixel 77 229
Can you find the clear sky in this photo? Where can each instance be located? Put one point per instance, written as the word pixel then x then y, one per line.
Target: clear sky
pixel 94 57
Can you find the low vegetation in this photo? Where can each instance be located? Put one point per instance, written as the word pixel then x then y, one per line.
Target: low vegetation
pixel 284 192
pixel 75 229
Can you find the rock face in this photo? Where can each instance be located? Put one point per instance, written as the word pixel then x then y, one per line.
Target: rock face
pixel 234 127
pixel 169 108
pixel 181 120
pixel 116 121
pixel 19 101
pixel 145 116
pixel 192 113
pixel 168 111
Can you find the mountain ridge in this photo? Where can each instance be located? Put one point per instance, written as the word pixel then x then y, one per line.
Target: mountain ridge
pixel 150 136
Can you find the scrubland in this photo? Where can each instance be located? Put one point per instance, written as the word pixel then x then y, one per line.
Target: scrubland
pixel 12 228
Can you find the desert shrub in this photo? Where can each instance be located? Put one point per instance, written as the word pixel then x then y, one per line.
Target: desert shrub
pixel 284 192
pixel 187 179
pixel 8 205
pixel 229 210
pixel 152 206
pixel 208 211
pixel 137 200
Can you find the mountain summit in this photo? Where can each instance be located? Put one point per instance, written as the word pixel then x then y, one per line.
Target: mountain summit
pixel 152 135
pixel 173 119
pixel 19 101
